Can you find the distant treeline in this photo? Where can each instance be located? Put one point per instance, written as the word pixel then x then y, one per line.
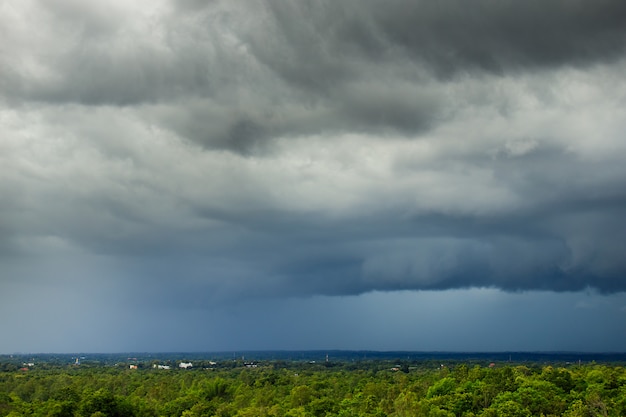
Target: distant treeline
pixel 479 358
pixel 142 387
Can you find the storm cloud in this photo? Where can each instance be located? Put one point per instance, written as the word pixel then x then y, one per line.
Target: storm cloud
pixel 221 151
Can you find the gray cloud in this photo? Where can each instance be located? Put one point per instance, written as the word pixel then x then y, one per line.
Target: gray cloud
pixel 453 36
pixel 325 40
pixel 231 150
pixel 230 81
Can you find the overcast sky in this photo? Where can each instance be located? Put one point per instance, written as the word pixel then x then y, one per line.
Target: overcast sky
pixel 355 174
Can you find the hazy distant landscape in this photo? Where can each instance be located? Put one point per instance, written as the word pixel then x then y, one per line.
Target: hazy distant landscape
pixel 230 359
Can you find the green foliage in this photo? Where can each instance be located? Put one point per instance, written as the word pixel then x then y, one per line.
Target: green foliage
pixel 316 391
pixel 442 387
pixel 103 403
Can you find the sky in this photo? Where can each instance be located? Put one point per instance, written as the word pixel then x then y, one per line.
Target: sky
pixel 356 174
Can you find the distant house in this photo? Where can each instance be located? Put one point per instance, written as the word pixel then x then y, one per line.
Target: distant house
pixel 161 366
pixel 185 365
pixel 133 366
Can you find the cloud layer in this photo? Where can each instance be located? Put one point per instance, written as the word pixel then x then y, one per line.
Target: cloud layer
pixel 227 149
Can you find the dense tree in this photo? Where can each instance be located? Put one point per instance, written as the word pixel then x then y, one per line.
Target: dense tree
pixel 311 390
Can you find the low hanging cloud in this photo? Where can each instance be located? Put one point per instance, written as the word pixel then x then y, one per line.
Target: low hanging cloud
pixel 223 149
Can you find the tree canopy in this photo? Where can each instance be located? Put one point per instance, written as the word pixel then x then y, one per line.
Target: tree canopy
pixel 319 390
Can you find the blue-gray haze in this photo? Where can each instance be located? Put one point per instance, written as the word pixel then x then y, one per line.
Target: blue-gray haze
pixel 262 174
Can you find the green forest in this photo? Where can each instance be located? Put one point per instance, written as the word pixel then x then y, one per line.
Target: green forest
pixel 314 389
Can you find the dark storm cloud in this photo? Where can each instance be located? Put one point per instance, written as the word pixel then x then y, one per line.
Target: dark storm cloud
pixel 319 45
pixel 252 72
pixel 223 149
pixel 455 36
